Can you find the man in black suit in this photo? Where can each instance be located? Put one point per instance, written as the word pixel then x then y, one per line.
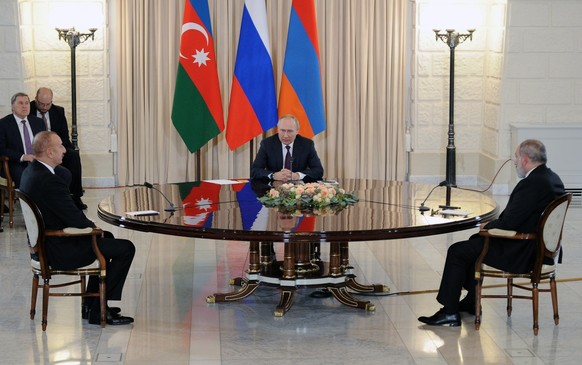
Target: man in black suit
pixel 539 186
pixel 51 194
pixel 12 135
pixel 54 118
pixel 287 155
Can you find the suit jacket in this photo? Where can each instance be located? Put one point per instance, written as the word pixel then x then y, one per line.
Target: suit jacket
pixel 72 159
pixel 269 159
pixel 526 203
pixel 51 194
pixel 11 142
pixel 58 121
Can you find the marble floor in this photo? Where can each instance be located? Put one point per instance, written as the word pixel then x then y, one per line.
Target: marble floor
pixel 171 277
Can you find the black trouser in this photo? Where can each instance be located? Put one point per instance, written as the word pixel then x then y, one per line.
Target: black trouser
pixel 459 272
pixel 119 254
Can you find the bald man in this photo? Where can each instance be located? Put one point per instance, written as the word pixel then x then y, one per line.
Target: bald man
pixel 55 120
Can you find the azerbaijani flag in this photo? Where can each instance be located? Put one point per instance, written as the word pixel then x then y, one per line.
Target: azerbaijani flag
pixel 197 109
pixel 301 93
pixel 200 201
pixel 253 101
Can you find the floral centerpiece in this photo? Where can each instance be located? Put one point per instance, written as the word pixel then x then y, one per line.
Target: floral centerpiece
pixel 311 198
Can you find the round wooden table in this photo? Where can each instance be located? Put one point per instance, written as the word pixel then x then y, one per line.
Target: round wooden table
pixel 229 210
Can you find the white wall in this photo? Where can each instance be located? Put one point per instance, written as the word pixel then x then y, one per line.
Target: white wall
pixel 11 74
pixel 524 65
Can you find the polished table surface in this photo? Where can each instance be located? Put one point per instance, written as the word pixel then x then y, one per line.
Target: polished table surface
pixel 386 210
pixel 225 211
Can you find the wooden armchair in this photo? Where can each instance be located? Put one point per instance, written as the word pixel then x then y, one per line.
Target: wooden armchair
pixel 40 267
pixel 6 191
pixel 548 238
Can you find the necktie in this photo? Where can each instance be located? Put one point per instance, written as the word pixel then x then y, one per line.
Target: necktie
pixel 27 139
pixel 45 121
pixel 288 158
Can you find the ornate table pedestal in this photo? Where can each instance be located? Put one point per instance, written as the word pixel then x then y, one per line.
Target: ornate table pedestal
pixel 300 267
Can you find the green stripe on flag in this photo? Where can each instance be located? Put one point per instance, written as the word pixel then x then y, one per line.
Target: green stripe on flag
pixel 190 114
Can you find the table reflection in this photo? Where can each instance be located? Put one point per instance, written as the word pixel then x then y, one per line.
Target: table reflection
pixel 386 209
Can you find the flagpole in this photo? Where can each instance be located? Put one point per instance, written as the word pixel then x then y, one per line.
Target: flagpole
pixel 251 155
pixel 198 165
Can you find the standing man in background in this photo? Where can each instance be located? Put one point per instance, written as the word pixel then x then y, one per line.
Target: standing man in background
pixel 287 155
pixel 55 120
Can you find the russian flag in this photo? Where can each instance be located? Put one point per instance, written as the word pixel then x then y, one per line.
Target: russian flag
pixel 305 224
pixel 301 92
pixel 254 215
pixel 253 101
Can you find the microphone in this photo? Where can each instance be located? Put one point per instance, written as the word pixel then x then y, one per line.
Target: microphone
pixel 424 208
pixel 171 207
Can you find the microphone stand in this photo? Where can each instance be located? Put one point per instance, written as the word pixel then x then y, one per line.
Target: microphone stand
pixel 171 207
pixel 423 208
pixel 447 204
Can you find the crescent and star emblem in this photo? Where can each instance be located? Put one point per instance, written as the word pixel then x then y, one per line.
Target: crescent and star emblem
pixel 200 57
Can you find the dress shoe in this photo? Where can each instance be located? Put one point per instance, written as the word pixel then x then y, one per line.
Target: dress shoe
pixel 111 319
pixel 440 318
pixel 85 310
pixel 79 203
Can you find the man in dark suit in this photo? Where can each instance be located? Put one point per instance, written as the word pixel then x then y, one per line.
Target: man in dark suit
pixel 52 196
pixel 287 156
pixel 12 135
pixel 539 186
pixel 55 120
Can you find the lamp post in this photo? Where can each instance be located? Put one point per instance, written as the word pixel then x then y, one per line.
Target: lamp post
pixel 452 39
pixel 73 39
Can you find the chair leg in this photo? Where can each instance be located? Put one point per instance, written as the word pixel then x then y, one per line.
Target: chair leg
pixel 2 199
pixel 33 296
pixel 535 304
pixel 45 300
pixel 103 301
pixel 10 209
pixel 554 292
pixel 509 296
pixel 83 291
pixel 479 286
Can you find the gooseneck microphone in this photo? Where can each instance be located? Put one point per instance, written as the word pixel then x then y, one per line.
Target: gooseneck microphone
pixel 424 208
pixel 171 207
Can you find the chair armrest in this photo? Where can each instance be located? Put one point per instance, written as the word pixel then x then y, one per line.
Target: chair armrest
pixel 74 232
pixel 81 232
pixel 507 234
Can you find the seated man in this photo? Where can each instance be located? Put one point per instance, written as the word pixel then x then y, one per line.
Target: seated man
pixel 16 133
pixel 287 156
pixel 55 120
pixel 51 194
pixel 538 188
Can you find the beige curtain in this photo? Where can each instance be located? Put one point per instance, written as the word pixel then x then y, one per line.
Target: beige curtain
pixel 362 49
